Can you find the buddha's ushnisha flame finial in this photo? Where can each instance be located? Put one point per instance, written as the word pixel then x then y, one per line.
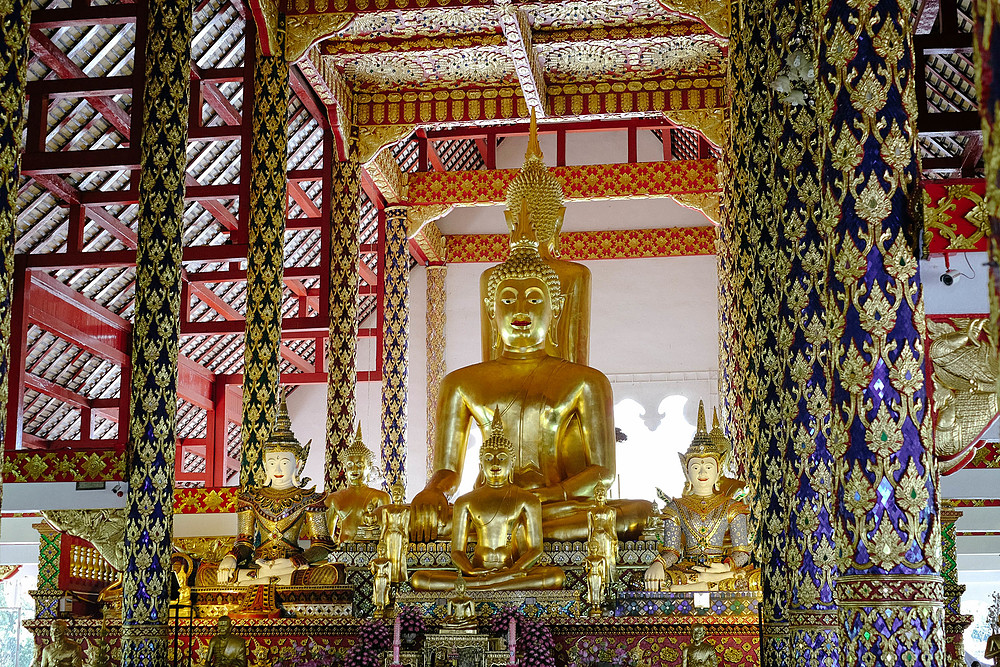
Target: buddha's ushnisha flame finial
pixel 497 438
pixel 540 189
pixel 534 148
pixel 358 448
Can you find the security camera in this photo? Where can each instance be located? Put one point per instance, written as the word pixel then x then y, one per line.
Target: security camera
pixel 950 277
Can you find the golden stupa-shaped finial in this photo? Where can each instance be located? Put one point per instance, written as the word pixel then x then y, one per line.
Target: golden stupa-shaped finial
pixel 538 187
pixel 717 434
pixel 358 447
pixel 282 439
pixel 702 444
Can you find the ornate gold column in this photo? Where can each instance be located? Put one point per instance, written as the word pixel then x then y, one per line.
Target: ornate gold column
pixel 395 342
pixel 265 257
pixel 15 16
pixel 987 51
pixel 341 362
pixel 437 302
pixel 152 441
pixel 889 590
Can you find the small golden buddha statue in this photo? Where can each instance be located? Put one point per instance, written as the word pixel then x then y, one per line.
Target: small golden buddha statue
pixel 278 515
pixel 558 414
pixel 601 530
pixel 694 556
pixel 351 514
pixel 596 566
pixel 699 653
pixel 508 524
pixel 381 569
pixel 461 609
pixel 226 649
pixel 395 520
pixel 542 192
pixel 61 652
pixel 181 565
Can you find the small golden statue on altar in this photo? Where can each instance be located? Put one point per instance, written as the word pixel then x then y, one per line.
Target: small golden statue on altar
pixel 558 414
pixel 381 569
pixel 596 566
pixel 461 609
pixel 60 652
pixel 508 524
pixel 601 531
pixel 352 513
pixel 395 520
pixel 278 514
pixel 699 653
pixel 694 556
pixel 226 649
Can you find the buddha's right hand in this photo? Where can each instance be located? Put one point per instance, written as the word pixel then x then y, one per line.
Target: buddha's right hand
pixel 655 576
pixel 426 510
pixel 227 568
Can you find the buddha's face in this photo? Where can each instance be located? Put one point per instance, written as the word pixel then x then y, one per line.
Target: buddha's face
pixel 496 464
pixel 57 632
pixel 523 313
pixel 280 468
pixel 356 470
pixel 702 474
pixel 224 625
pixel 698 634
pixel 398 494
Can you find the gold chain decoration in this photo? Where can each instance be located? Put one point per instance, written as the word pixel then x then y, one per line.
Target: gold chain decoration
pixel 888 527
pixel 341 359
pixel 265 258
pixel 15 16
pixel 395 341
pixel 152 442
pixel 437 296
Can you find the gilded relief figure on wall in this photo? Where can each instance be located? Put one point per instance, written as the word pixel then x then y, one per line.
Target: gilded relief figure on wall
pixel 271 520
pixel 353 510
pixel 507 521
pixel 558 414
pixel 694 556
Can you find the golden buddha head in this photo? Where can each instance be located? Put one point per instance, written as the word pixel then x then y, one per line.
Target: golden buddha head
pixel 357 461
pixel 600 493
pixel 57 631
pixel 398 494
pixel 496 456
pixel 702 461
pixel 284 456
pixel 539 191
pixel 523 295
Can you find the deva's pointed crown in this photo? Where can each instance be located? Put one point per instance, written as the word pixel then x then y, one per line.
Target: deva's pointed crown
pixel 703 445
pixel 282 439
pixel 536 187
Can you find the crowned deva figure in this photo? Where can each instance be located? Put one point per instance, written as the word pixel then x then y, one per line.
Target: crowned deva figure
pixel 543 194
pixel 507 521
pixel 349 508
pixel 558 414
pixel 275 516
pixel 695 556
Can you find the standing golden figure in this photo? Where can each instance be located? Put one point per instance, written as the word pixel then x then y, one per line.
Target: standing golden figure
pixel 351 509
pixel 395 520
pixel 694 556
pixel 558 414
pixel 275 516
pixel 699 653
pixel 381 569
pixel 536 187
pixel 601 531
pixel 596 566
pixel 508 525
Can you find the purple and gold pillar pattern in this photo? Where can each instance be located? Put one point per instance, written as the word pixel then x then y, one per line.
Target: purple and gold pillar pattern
pixel 341 357
pixel 395 342
pixel 437 302
pixel 15 16
pixel 889 591
pixel 987 56
pixel 265 258
pixel 152 441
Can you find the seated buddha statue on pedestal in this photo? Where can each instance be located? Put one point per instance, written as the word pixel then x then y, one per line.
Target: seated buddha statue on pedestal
pixel 275 516
pixel 558 414
pixel 695 556
pixel 507 521
pixel 350 510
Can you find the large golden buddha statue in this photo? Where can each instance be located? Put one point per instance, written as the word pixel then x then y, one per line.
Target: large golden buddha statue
pixel 536 187
pixel 271 520
pixel 507 521
pixel 558 414
pixel 350 507
pixel 695 555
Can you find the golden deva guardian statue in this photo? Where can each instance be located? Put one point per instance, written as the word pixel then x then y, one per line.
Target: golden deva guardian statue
pixel 349 509
pixel 558 414
pixel 694 556
pixel 508 524
pixel 278 514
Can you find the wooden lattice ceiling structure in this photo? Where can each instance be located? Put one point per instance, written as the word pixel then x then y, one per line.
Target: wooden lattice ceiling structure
pixel 420 75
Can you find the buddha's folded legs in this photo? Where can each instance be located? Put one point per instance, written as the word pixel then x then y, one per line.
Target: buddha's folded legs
pixel 564 521
pixel 504 580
